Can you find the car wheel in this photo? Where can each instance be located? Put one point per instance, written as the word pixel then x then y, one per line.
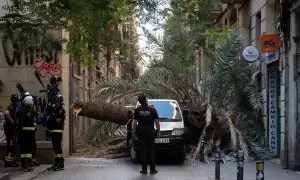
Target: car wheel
pixel 134 155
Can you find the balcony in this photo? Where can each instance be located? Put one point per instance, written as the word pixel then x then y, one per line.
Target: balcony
pixel 233 1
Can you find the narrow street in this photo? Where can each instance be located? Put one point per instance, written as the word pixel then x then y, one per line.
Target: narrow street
pixel 124 169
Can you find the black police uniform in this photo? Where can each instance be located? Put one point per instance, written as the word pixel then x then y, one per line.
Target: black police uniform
pixel 10 130
pixel 26 136
pixel 55 126
pixel 146 115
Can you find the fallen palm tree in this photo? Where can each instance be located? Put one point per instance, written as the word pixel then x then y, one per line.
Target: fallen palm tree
pixel 213 124
pixel 229 85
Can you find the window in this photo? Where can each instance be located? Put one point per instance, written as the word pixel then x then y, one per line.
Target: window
pixel 126 31
pixel 167 110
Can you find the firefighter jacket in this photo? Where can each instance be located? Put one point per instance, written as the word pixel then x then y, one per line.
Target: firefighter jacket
pixel 56 121
pixel 26 120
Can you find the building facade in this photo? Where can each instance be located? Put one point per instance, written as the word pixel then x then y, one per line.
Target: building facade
pixel 279 81
pixel 23 64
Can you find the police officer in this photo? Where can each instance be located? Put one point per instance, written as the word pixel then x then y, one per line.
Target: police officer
pixel 144 118
pixel 55 126
pixel 26 132
pixel 10 130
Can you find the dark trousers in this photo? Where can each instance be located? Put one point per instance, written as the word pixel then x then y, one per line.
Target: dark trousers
pixel 56 142
pixel 56 139
pixel 10 134
pixel 27 145
pixel 34 149
pixel 147 150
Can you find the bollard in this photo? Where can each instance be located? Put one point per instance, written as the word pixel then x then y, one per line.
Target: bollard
pixel 240 165
pixel 260 170
pixel 218 160
pixel 202 159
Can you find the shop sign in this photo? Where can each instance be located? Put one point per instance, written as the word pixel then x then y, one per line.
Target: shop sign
pixel 272 114
pixel 271 57
pixel 251 54
pixel 269 43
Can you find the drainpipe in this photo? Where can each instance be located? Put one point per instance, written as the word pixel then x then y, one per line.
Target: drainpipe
pixel 285 34
pixel 71 101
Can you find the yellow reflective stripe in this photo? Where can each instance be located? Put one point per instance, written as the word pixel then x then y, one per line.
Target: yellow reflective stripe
pixel 56 131
pixel 59 155
pixel 23 155
pixel 29 156
pixel 8 158
pixel 28 128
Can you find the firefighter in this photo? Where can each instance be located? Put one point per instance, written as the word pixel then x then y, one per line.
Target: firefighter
pixel 145 117
pixel 55 125
pixel 10 130
pixel 26 132
pixel 35 113
pixel 52 92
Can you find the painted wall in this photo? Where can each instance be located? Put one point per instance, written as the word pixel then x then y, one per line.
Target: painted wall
pixel 18 64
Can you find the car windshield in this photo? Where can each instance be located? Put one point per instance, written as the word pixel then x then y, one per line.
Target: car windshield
pixel 167 110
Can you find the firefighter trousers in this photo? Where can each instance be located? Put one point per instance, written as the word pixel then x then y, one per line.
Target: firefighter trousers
pixel 56 138
pixel 27 146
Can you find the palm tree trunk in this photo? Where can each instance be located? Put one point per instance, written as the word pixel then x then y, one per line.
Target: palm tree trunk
pixel 102 111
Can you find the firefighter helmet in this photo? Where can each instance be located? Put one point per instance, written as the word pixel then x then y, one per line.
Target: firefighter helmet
pixel 55 79
pixel 14 98
pixel 28 101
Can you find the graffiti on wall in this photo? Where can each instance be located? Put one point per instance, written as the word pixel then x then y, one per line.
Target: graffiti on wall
pixel 20 53
pixel 45 68
pixel 2 120
pixel 42 54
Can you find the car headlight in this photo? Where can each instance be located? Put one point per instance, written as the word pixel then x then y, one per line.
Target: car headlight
pixel 177 132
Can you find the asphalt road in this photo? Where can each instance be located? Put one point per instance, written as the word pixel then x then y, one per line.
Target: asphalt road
pixel 124 169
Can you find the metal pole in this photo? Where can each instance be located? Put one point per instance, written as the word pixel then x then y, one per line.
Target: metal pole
pixel 218 157
pixel 260 170
pixel 240 165
pixel 202 159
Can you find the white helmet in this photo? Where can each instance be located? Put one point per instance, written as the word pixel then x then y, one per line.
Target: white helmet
pixel 28 101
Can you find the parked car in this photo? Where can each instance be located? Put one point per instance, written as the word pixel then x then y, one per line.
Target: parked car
pixel 171 129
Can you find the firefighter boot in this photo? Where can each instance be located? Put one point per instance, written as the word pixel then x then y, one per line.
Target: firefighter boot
pixel 10 164
pixel 54 166
pixel 35 162
pixel 29 162
pixel 60 164
pixel 24 165
pixel 10 161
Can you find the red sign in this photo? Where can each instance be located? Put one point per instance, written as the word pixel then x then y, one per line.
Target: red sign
pixel 269 43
